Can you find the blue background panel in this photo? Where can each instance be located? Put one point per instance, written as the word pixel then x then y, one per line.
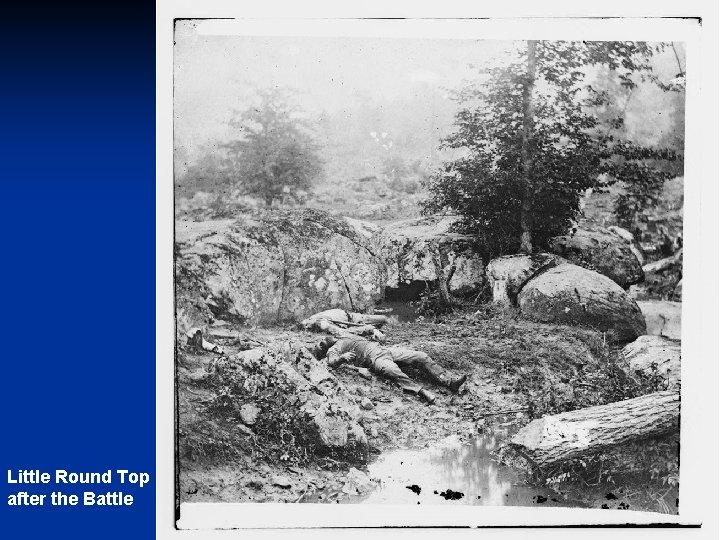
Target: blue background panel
pixel 78 259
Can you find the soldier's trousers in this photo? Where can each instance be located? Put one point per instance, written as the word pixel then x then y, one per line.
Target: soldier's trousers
pixel 390 363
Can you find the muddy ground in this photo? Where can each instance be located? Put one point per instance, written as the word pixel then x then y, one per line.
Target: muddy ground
pixel 515 367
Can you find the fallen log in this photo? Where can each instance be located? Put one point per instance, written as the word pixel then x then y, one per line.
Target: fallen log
pixel 570 435
pixel 663 264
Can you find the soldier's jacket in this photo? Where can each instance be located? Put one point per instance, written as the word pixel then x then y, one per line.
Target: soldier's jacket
pixel 366 352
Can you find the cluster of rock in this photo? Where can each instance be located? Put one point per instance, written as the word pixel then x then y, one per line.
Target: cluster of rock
pixel 611 252
pixel 267 268
pixel 426 249
pixel 547 288
pixel 264 268
pixel 664 278
pixel 508 275
pixel 313 402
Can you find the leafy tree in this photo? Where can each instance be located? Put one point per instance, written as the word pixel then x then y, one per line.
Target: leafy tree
pixel 534 141
pixel 210 173
pixel 637 197
pixel 276 154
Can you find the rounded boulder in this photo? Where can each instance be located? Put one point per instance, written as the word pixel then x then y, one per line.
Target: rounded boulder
pixel 609 253
pixel 655 354
pixel 507 275
pixel 570 294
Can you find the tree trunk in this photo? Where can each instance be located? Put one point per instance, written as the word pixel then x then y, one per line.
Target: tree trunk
pixel 526 224
pixel 444 272
pixel 444 290
pixel 560 437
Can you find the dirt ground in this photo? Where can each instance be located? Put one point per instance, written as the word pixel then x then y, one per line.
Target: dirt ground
pixel 514 367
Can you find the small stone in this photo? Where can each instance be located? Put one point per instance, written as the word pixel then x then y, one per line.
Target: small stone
pixel 357 482
pixel 244 429
pixel 281 481
pixel 469 407
pixel 198 375
pixel 319 374
pixel 366 404
pixel 249 414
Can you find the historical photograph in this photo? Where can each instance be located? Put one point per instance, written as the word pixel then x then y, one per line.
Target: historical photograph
pixel 428 271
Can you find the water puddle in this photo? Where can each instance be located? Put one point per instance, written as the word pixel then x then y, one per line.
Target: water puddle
pixel 452 472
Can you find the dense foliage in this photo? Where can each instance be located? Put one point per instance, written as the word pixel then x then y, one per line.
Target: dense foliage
pixel 534 138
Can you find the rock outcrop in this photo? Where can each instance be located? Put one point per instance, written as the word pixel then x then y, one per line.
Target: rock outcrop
pixel 607 252
pixel 569 294
pixel 507 275
pixel 655 354
pixel 663 318
pixel 265 268
pixel 420 249
pixel 290 387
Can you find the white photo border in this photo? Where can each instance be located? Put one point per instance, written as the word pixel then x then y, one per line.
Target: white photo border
pixel 699 425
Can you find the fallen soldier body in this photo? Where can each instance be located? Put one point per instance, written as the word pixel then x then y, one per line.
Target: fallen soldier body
pixel 340 323
pixel 387 362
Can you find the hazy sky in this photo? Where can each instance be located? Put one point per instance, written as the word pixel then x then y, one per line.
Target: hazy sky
pixel 216 74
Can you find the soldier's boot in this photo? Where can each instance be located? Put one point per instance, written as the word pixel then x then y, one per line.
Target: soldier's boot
pixel 453 383
pixel 456 382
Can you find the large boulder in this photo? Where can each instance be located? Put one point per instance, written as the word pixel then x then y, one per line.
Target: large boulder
pixel 663 318
pixel 655 354
pixel 607 252
pixel 265 268
pixel 570 294
pixel 415 249
pixel 507 275
pixel 288 388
